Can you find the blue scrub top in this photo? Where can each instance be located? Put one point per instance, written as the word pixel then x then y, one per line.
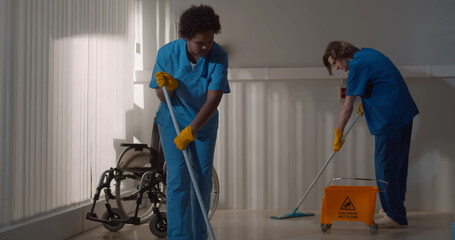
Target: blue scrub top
pixel 210 73
pixel 386 101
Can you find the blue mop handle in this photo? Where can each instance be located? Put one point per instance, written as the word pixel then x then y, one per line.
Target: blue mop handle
pixel 190 169
pixel 325 164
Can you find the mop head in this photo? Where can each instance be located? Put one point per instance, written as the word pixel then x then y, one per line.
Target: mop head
pixel 293 215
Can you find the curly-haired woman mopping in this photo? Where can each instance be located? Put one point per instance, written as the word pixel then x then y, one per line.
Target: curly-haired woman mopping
pixel 194 70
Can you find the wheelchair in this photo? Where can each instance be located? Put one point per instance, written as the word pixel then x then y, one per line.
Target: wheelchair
pixel 140 170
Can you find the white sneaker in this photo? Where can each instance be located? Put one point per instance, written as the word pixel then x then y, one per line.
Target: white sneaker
pixel 387 222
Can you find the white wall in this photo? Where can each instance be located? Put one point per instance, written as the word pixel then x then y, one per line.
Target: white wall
pixel 268 33
pixel 275 135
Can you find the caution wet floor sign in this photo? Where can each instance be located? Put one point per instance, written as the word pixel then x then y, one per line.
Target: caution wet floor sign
pixel 347 210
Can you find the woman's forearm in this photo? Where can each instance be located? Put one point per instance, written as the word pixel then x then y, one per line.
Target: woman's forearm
pixel 207 110
pixel 346 112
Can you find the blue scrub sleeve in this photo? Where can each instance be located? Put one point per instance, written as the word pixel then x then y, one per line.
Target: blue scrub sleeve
pixel 357 80
pixel 218 79
pixel 158 68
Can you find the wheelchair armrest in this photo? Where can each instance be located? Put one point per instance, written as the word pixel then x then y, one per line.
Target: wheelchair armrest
pixel 136 146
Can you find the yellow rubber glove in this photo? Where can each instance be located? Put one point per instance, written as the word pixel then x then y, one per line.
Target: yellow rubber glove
pixel 360 110
pixel 166 79
pixel 338 143
pixel 184 138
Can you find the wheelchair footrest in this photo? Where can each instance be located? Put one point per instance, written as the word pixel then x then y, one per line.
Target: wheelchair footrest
pixel 91 216
pixel 134 220
pixel 131 220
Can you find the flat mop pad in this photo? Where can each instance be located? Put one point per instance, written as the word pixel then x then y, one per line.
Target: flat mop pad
pixel 294 214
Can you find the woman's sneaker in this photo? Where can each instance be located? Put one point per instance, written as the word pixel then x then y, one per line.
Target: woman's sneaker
pixel 387 222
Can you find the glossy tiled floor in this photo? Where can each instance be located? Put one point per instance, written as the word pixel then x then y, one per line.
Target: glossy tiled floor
pixel 257 225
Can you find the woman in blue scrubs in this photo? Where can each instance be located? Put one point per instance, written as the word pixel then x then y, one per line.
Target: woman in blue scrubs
pixel 194 70
pixel 389 111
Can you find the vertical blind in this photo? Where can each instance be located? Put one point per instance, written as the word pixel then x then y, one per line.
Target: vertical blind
pixel 72 100
pixel 274 137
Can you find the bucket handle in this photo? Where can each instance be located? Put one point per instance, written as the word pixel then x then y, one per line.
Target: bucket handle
pixel 361 179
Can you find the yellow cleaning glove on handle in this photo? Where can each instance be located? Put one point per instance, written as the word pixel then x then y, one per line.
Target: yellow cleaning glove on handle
pixel 338 143
pixel 184 138
pixel 360 110
pixel 166 79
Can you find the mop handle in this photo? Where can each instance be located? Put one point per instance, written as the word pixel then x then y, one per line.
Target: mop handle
pixel 190 169
pixel 325 165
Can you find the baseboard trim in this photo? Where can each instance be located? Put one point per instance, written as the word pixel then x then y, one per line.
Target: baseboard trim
pixel 59 225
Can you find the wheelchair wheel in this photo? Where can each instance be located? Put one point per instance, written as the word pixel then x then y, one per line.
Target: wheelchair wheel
pixel 114 227
pixel 127 187
pixel 159 228
pixel 215 194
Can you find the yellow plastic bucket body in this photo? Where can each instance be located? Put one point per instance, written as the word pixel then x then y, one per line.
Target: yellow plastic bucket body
pixel 348 203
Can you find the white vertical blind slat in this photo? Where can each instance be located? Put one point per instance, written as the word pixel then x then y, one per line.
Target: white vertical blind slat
pixel 59 147
pixel 84 141
pixel 40 109
pixel 45 102
pixel 7 60
pixel 77 126
pixel 34 159
pixel 3 104
pixel 64 106
pixel 28 117
pixel 55 102
pixel 91 99
pixel 18 150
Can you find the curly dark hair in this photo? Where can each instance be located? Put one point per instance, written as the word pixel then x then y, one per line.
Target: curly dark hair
pixel 197 19
pixel 338 50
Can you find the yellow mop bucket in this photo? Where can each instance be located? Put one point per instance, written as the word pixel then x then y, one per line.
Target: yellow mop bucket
pixel 349 203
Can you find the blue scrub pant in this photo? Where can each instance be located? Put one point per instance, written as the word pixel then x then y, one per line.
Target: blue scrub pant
pixel 184 215
pixel 391 165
